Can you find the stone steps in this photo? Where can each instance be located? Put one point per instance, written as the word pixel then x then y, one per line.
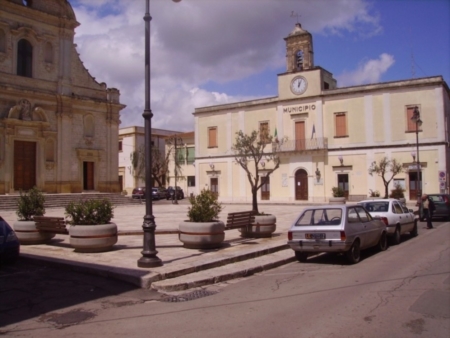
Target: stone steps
pixel 9 202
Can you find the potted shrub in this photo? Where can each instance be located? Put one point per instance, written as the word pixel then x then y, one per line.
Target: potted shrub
pixel 30 204
pixel 338 196
pixel 91 229
pixel 203 230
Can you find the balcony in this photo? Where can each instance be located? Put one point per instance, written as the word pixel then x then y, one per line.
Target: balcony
pixel 303 145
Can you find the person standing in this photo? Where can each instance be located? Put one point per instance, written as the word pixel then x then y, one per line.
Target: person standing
pixel 428 209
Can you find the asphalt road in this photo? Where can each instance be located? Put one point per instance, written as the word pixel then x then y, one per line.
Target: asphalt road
pixel 402 292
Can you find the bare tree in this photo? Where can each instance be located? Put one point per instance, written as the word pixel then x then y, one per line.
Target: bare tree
pixel 160 164
pixel 249 152
pixel 382 168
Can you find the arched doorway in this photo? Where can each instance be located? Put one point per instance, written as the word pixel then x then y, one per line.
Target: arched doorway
pixel 301 185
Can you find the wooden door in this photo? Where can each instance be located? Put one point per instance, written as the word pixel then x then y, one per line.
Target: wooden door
pixel 215 186
pixel 300 137
pixel 88 175
pixel 413 184
pixel 301 185
pixel 121 183
pixel 265 188
pixel 24 165
pixel 343 184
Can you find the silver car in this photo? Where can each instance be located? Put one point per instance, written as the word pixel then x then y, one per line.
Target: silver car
pixel 342 228
pixel 398 218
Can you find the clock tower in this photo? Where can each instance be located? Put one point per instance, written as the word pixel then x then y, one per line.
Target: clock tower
pixel 299 50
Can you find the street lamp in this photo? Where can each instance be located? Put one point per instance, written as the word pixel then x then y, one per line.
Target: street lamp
pixel 149 257
pixel 175 140
pixel 416 119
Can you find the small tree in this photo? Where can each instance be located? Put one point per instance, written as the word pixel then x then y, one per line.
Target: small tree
pixel 249 153
pixel 382 168
pixel 160 164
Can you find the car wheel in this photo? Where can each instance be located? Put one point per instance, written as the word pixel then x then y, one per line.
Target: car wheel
pixel 414 231
pixel 301 256
pixel 383 244
pixel 354 254
pixel 397 237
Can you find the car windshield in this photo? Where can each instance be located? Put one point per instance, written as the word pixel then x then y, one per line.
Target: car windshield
pixel 437 198
pixel 377 206
pixel 320 217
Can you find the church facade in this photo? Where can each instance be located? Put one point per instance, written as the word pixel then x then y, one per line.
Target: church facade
pixel 333 135
pixel 58 125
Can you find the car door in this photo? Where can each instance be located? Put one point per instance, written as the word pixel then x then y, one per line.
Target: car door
pixel 402 218
pixel 355 228
pixel 371 230
pixel 409 218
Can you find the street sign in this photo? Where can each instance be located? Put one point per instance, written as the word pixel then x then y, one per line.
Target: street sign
pixel 442 176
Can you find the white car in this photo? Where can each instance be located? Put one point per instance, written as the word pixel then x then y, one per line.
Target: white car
pixel 397 217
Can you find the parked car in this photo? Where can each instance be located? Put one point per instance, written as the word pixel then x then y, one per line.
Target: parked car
pixel 442 204
pixel 138 192
pixel 398 218
pixel 171 193
pixel 9 243
pixel 162 192
pixel 342 228
pixel 159 193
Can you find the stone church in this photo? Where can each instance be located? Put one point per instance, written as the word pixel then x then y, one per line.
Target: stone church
pixel 58 125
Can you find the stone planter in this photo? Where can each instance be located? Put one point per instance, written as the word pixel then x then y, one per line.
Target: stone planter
pixel 264 226
pixel 206 235
pixel 28 234
pixel 93 238
pixel 336 200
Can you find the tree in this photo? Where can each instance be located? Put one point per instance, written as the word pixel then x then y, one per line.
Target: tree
pixel 160 164
pixel 249 152
pixel 382 168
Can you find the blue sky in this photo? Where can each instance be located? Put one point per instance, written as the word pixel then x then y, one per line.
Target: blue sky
pixel 213 52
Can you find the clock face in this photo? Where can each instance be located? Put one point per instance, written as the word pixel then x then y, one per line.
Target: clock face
pixel 299 85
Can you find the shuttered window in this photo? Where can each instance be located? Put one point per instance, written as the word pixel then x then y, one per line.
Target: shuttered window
pixel 341 124
pixel 264 132
pixel 411 125
pixel 212 137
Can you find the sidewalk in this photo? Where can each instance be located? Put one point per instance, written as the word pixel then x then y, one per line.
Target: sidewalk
pixel 182 268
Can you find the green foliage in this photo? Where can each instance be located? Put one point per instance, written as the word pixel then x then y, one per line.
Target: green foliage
pixel 30 204
pixel 397 192
pixel 375 193
pixel 204 207
pixel 90 212
pixel 338 192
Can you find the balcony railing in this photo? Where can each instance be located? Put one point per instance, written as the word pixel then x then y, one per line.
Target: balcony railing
pixel 319 143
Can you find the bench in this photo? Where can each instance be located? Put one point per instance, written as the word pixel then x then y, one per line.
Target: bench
pixel 239 219
pixel 56 225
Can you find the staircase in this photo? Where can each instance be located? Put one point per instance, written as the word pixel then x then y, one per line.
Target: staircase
pixel 9 202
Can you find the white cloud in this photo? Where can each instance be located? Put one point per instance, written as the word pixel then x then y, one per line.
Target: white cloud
pixel 195 42
pixel 368 72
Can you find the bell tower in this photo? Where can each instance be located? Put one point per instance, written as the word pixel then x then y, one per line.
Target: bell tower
pixel 299 50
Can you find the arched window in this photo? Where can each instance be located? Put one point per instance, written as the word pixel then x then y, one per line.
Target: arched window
pixel 89 126
pixel 24 58
pixel 48 53
pixel 2 41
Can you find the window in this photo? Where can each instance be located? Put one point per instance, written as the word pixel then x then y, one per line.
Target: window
pixel 340 120
pixel 191 181
pixel 24 58
pixel 299 60
pixel 264 132
pixel 120 146
pixel 212 137
pixel 410 124
pixel 190 155
pixel 180 155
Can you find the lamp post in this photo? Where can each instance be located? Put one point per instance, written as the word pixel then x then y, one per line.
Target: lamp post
pixel 149 257
pixel 416 119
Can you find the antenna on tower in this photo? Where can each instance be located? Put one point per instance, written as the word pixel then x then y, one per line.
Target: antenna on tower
pixel 295 15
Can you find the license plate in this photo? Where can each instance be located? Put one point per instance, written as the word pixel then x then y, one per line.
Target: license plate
pixel 315 236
